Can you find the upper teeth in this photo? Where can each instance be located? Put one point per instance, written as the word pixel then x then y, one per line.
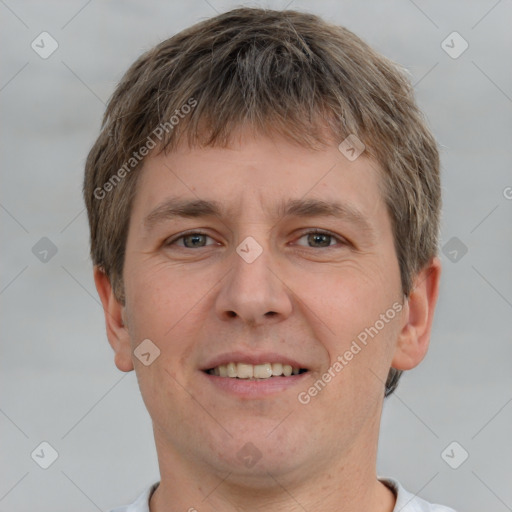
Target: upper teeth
pixel 257 371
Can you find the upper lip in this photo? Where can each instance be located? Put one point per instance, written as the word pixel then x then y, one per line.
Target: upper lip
pixel 251 358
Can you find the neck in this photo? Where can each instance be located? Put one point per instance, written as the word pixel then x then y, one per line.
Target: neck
pixel 345 483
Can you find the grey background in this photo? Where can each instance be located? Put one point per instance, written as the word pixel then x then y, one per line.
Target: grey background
pixel 58 380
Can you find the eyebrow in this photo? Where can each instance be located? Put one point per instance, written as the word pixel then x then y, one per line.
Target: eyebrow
pixel 302 208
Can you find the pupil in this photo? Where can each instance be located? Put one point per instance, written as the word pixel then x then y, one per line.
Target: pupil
pixel 194 238
pixel 317 238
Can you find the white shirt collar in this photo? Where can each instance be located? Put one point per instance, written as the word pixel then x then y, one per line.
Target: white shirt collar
pixel 405 501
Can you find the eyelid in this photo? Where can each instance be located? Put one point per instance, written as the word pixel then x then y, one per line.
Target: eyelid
pixel 338 238
pixel 308 231
pixel 179 236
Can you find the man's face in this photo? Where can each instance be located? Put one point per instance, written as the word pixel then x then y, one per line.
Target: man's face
pixel 250 285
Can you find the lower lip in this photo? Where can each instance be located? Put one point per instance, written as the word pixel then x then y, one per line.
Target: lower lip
pixel 254 388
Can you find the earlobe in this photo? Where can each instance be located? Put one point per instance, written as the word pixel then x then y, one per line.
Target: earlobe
pixel 117 332
pixel 418 315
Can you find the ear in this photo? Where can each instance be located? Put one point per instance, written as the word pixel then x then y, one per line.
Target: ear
pixel 413 340
pixel 117 332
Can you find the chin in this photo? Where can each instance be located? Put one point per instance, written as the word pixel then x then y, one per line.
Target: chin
pixel 256 450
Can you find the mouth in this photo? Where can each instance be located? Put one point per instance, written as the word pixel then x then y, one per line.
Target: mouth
pixel 255 372
pixel 249 375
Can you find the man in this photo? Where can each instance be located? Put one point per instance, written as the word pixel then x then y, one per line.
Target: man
pixel 264 204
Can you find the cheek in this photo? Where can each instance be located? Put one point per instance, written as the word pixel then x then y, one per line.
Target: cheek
pixel 156 298
pixel 349 300
pixel 167 306
pixel 357 322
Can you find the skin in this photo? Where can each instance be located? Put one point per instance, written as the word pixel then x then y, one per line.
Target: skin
pixel 197 302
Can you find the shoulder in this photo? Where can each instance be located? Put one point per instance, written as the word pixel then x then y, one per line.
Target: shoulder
pixel 408 502
pixel 141 504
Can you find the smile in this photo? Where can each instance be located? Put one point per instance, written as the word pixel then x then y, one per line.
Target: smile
pixel 236 370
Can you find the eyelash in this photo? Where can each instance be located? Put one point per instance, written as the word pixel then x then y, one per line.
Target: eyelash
pixel 305 233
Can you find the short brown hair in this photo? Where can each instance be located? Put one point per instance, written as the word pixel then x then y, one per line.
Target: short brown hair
pixel 287 72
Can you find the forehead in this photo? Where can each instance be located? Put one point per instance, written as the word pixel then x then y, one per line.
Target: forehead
pixel 258 175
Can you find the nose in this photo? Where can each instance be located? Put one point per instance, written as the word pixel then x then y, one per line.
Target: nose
pixel 253 291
